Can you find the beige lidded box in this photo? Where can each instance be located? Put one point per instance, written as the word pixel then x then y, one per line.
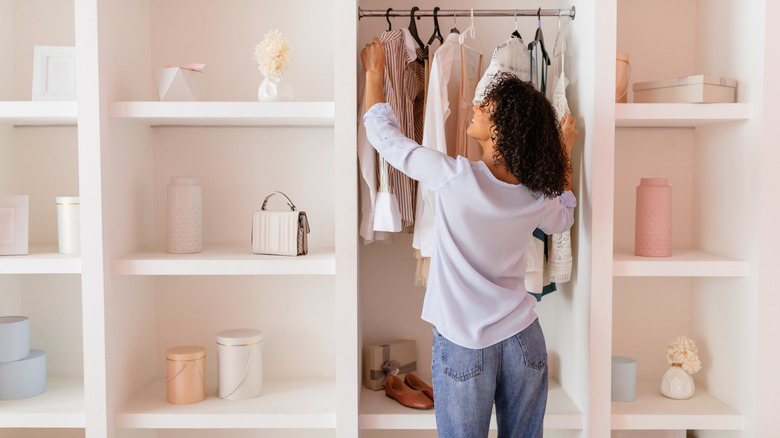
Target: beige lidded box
pixel 391 358
pixel 687 89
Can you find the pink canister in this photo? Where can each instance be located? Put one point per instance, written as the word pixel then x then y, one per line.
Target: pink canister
pixel 653 236
pixel 186 374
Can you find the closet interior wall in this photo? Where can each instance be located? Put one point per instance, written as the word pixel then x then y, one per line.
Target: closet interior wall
pixel 236 168
pixel 390 303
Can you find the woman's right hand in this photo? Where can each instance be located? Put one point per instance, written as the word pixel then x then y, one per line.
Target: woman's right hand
pixel 373 57
pixel 569 131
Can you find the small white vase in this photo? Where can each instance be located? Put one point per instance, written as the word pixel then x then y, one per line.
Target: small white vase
pixel 272 91
pixel 677 383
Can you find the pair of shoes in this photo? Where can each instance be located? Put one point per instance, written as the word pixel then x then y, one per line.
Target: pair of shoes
pixel 395 388
pixel 417 383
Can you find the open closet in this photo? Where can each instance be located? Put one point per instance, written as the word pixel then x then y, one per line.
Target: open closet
pixel 107 316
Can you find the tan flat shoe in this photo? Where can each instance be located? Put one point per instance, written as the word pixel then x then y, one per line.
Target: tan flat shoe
pixel 396 389
pixel 415 382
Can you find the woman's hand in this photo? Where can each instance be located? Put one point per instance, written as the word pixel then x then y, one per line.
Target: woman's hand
pixel 373 57
pixel 569 131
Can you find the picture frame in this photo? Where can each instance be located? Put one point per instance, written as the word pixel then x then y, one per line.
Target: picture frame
pixel 14 224
pixel 54 73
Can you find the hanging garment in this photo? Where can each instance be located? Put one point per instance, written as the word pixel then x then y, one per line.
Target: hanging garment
pixel 511 56
pixel 439 133
pixel 402 86
pixel 470 74
pixel 368 171
pixel 559 260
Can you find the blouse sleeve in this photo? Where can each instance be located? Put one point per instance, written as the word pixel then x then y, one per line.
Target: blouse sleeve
pixel 428 166
pixel 559 216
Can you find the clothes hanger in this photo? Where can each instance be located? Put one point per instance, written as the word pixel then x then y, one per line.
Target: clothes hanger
pixel 436 31
pixel 413 28
pixel 387 17
pixel 540 37
pixel 471 32
pixel 454 23
pixel 516 33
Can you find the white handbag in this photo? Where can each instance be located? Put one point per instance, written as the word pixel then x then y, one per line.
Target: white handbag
pixel 280 232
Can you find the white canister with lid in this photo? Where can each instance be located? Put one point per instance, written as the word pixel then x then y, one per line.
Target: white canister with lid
pixel 240 363
pixel 14 338
pixel 68 223
pixel 185 211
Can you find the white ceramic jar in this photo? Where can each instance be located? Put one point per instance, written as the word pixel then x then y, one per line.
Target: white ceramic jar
pixel 240 363
pixel 185 211
pixel 68 224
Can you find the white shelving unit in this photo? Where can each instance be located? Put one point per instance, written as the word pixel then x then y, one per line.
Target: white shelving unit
pixel 226 260
pixel 33 113
pixel 122 304
pixel 653 411
pixel 684 262
pixel 380 412
pixel 41 260
pixel 678 115
pixel 225 113
pixel 60 407
pixel 285 404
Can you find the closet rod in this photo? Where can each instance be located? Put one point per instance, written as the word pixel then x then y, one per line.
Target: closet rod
pixel 467 12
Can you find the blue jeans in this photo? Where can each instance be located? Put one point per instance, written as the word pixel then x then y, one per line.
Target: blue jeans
pixel 511 373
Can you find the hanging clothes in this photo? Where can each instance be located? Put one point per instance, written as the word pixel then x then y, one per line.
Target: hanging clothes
pixel 403 88
pixel 511 56
pixel 470 74
pixel 440 127
pixel 559 252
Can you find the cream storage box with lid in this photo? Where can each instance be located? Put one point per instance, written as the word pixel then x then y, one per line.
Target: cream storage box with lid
pixel 687 89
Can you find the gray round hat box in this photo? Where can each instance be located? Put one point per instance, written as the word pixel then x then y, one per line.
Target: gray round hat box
pixel 14 338
pixel 23 378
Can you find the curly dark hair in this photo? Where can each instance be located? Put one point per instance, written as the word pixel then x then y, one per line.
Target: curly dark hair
pixel 525 132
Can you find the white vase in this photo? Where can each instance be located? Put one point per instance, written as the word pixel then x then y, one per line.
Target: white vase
pixel 677 383
pixel 185 228
pixel 272 91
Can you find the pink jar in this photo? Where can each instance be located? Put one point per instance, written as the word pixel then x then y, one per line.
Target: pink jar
pixel 653 236
pixel 186 375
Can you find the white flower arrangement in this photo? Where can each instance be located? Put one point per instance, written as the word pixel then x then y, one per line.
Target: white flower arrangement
pixel 273 55
pixel 682 351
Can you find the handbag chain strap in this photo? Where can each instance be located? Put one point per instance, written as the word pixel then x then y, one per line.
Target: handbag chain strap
pixel 290 203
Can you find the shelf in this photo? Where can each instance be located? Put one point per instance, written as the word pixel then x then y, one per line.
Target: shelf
pixel 684 262
pixel 226 260
pixel 678 114
pixel 285 403
pixel 41 260
pixel 32 113
pixel 651 410
pixel 226 113
pixel 377 411
pixel 61 406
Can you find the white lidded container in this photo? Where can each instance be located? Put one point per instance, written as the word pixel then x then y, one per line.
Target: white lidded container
pixel 68 223
pixel 240 363
pixel 14 338
pixel 185 212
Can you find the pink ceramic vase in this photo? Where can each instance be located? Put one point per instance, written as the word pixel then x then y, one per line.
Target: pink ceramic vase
pixel 653 218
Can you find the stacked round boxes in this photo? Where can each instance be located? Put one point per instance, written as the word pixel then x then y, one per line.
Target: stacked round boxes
pixel 22 371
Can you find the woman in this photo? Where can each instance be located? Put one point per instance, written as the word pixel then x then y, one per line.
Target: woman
pixel 488 346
